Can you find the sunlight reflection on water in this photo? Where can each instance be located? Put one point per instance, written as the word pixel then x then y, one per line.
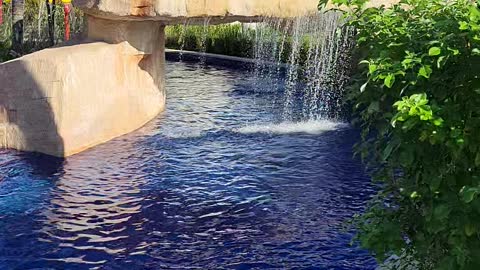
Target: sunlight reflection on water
pixel 207 185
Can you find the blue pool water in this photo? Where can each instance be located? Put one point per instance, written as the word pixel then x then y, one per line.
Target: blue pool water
pixel 213 183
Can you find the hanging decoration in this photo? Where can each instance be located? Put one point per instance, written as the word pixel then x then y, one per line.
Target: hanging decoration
pixel 67 9
pixel 1 12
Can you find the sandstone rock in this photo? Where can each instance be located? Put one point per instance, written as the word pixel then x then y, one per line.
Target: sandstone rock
pixel 64 100
pixel 175 11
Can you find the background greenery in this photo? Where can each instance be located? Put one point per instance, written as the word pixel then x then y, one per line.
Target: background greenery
pixel 417 100
pixel 228 39
pixel 35 27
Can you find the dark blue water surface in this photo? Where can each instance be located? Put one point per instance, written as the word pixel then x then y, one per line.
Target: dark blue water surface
pixel 212 183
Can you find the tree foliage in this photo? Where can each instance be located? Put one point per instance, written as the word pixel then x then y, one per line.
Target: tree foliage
pixel 417 100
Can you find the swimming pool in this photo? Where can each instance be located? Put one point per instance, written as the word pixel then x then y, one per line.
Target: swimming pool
pixel 217 181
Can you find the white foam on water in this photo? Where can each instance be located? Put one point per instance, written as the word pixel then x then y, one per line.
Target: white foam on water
pixel 183 134
pixel 308 127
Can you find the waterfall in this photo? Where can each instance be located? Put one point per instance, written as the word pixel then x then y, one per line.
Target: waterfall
pixel 308 57
pixel 183 37
pixel 203 41
pixel 302 62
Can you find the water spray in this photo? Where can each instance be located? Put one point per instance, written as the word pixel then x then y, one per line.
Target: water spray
pixel 316 68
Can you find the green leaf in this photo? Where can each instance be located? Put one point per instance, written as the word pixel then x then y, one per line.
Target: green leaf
pixel 438 122
pixel 464 26
pixel 435 183
pixel 454 51
pixel 441 211
pixel 364 62
pixel 406 158
pixel 363 87
pixel 407 62
pixel 425 71
pixel 374 107
pixel 469 194
pixel 477 160
pixel 470 229
pixel 389 80
pixel 362 39
pixel 387 152
pixel 440 61
pixel 393 44
pixel 434 51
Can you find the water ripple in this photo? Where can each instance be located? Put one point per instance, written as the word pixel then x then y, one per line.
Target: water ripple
pixel 207 185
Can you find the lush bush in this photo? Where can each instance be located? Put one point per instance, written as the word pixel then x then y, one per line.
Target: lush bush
pixel 417 98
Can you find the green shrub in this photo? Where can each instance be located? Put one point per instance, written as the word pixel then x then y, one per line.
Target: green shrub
pixel 417 98
pixel 229 39
pixel 5 34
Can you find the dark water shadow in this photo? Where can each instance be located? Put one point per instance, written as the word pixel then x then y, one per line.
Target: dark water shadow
pixel 44 166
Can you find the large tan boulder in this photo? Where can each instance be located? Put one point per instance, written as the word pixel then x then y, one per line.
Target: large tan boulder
pixel 64 100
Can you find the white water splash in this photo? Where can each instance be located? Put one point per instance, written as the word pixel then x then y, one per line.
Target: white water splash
pixel 308 127
pixel 183 133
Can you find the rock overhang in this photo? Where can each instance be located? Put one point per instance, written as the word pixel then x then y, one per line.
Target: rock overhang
pixel 195 11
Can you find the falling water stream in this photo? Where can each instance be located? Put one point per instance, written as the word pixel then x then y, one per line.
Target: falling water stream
pixel 183 35
pixel 316 65
pixel 203 42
